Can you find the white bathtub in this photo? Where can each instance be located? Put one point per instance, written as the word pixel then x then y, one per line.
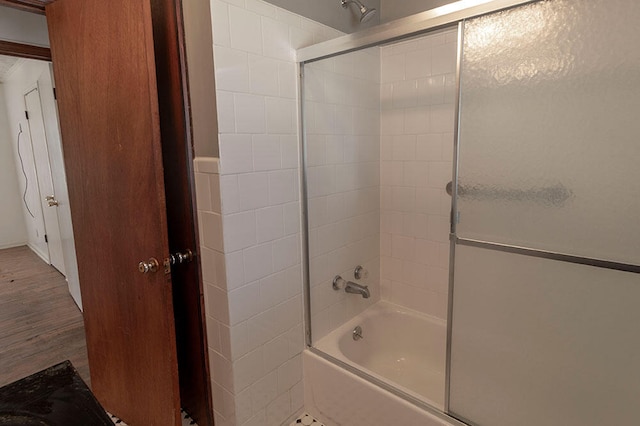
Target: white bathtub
pixel 399 346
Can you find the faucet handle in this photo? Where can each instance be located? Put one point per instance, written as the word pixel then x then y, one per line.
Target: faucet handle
pixel 360 273
pixel 338 283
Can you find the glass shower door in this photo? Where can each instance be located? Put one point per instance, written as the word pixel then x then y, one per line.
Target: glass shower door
pixel 545 324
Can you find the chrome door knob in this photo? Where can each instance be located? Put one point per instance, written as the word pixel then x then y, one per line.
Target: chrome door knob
pixel 149 266
pixel 180 258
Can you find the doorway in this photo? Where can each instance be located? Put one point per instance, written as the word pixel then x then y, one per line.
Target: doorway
pixel 40 325
pixel 194 335
pixel 36 196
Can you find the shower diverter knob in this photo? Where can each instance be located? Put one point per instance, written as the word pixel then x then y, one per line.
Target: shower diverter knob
pixel 360 273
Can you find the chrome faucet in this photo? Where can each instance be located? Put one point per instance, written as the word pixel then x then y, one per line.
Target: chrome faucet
pixel 350 287
pixel 354 288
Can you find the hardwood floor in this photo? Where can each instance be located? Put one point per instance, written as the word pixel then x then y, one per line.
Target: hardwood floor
pixel 40 325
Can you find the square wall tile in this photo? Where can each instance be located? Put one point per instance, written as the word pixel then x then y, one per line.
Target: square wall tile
pixel 220 23
pixel 418 64
pixel 217 303
pixel 254 190
pixel 280 115
pixel 289 374
pixel 239 231
pixel 245 30
pixel 203 192
pixel 244 303
pixel 262 8
pixel 270 223
pixel 226 116
pixel 234 267
pixel 235 154
pixel 275 40
pixel 248 369
pixel 282 186
pixel 250 113
pixel 229 194
pixel 263 75
pixel 232 69
pixel 258 262
pixel 212 230
pixel 267 152
pixel 264 391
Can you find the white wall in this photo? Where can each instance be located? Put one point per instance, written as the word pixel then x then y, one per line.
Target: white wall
pixel 12 226
pixel 198 40
pixel 251 259
pixel 331 13
pixel 23 27
pixel 417 125
pixel 395 9
pixel 24 77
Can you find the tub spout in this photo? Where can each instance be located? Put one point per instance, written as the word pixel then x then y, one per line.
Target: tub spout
pixel 355 288
pixel 351 287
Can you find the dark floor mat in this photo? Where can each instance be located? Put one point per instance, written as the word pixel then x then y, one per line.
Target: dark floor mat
pixel 56 396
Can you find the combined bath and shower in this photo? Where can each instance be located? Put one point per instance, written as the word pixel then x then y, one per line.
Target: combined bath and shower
pixel 365 13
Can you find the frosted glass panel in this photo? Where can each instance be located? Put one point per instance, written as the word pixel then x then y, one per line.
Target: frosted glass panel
pixel 550 125
pixel 541 342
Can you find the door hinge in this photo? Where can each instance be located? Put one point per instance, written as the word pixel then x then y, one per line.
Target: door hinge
pixel 26 114
pixel 55 95
pixel 46 239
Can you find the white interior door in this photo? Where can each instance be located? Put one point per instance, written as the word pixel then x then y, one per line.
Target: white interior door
pixel 46 86
pixel 45 182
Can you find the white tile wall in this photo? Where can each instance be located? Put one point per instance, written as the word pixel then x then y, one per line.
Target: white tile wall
pixel 343 155
pixel 380 125
pixel 250 214
pixel 417 123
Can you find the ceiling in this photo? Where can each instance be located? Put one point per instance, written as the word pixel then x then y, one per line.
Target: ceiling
pixel 28 5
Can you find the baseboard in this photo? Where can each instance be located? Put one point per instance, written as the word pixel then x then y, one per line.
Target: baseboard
pixel 13 245
pixel 39 252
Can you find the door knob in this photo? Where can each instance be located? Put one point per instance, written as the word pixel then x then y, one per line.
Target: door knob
pixel 149 266
pixel 51 200
pixel 180 258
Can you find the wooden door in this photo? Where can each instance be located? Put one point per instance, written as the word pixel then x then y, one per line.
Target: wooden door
pixel 48 202
pixel 103 56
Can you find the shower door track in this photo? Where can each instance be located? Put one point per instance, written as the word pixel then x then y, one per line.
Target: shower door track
pixel 402 28
pixel 545 254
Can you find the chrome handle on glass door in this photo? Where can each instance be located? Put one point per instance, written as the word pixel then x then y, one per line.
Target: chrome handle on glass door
pixel 552 195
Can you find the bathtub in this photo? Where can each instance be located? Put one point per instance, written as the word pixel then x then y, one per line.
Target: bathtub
pixel 399 347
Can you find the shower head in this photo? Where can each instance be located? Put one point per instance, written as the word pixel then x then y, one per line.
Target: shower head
pixel 365 13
